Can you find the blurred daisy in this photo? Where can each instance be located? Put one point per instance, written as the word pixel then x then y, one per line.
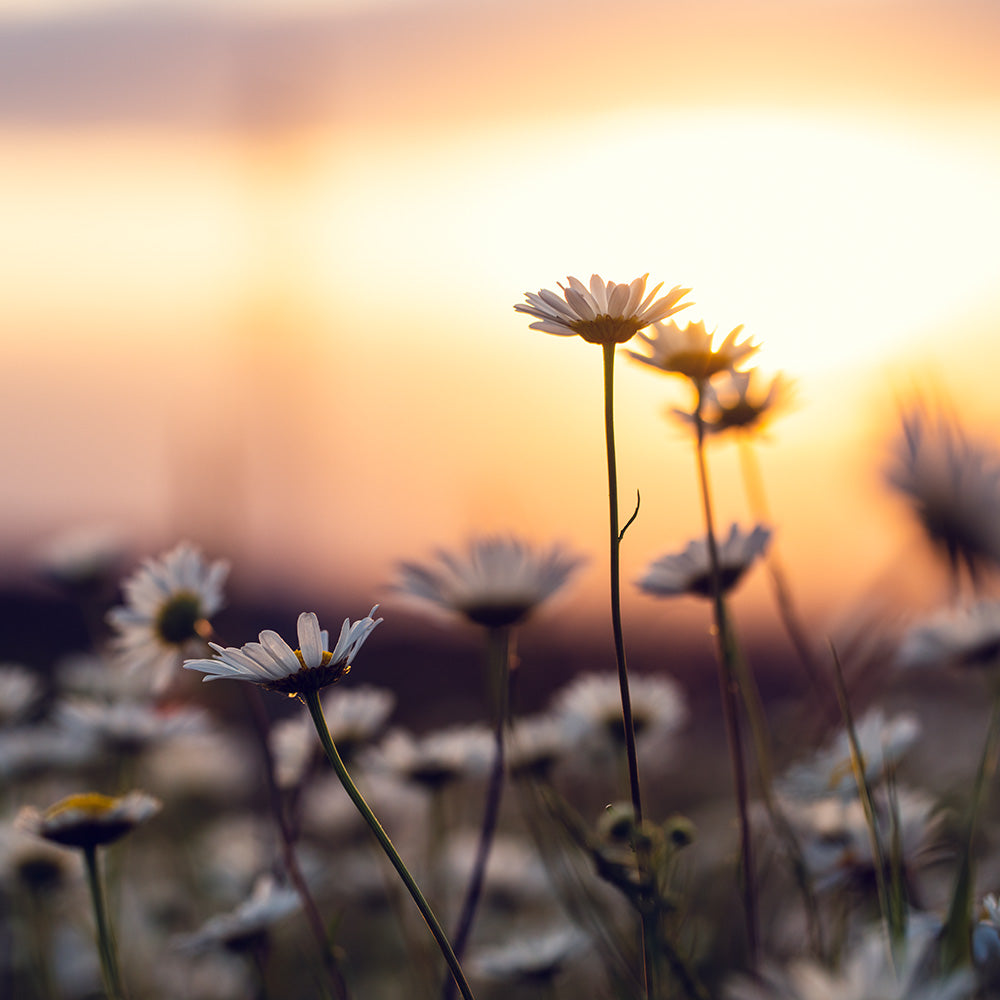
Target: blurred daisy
pixel 590 707
pixel 739 401
pixel 354 718
pixel 168 603
pixel 89 819
pixel 268 903
pixel 274 665
pixel 690 572
pixel 516 877
pixel 438 758
pixel 537 743
pixel 81 558
pixel 33 863
pixel 604 313
pixel 872 970
pixel 883 742
pixel 126 728
pixel 953 486
pixel 26 751
pixel 535 957
pixel 967 637
pixel 19 691
pixel 690 352
pixel 495 582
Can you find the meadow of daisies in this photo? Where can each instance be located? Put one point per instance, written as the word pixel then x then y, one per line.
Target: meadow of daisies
pixel 152 846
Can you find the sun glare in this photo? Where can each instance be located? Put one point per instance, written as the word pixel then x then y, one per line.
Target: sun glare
pixel 832 240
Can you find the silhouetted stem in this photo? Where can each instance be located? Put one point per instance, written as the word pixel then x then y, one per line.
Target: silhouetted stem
pixel 312 701
pixel 498 667
pixel 616 626
pixel 730 690
pixel 105 942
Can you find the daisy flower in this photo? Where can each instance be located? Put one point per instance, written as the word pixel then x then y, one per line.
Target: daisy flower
pixel 967 637
pixel 495 582
pixel 690 351
pixel 537 957
pixel 739 401
pixel 604 313
pixel 953 485
pixel 89 819
pixel 438 758
pixel 168 603
pixel 690 571
pixel 274 665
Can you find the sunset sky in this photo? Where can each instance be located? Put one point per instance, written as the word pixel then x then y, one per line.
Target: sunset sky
pixel 259 262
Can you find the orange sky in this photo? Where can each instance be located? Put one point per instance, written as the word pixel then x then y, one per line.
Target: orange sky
pixel 286 330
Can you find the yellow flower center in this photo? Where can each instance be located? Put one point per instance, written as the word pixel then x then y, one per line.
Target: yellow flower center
pixel 92 803
pixel 310 678
pixel 181 619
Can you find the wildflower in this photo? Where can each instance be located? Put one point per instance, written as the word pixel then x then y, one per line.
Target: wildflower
pixel 537 744
pixel 738 402
pixel 689 352
pixel 968 637
pixel 589 707
pixel 19 690
pixel 30 750
pixel 515 875
pixel 953 486
pixel 496 582
pixel 830 772
pixel 536 957
pixel 274 665
pixel 606 313
pixel 353 718
pixel 872 970
pixel 690 571
pixel 32 863
pixel 268 903
pixel 438 758
pixel 126 728
pixel 89 819
pixel 168 603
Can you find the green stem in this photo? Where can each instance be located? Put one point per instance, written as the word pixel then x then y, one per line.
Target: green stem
pixel 312 701
pixel 498 645
pixel 615 538
pixel 105 943
pixel 730 691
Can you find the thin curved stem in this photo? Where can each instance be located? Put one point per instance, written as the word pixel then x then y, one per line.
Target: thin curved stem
pixel 105 942
pixel 730 690
pixel 615 538
pixel 312 701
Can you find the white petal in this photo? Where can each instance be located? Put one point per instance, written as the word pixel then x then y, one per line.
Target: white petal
pixel 280 651
pixel 310 639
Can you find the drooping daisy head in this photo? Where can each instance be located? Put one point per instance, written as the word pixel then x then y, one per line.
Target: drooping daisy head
pixel 741 402
pixel 274 665
pixel 495 582
pixel 690 571
pixel 604 313
pixel 689 351
pixel 89 819
pixel 168 604
pixel 952 484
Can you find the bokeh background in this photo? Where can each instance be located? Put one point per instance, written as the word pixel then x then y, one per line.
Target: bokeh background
pixel 259 261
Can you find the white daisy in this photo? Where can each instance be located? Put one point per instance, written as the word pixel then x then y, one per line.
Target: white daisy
pixel 438 758
pixel 606 313
pixel 690 572
pixel 168 602
pixel 953 486
pixel 268 903
pixel 495 582
pixel 739 401
pixel 89 818
pixel 590 707
pixel 965 637
pixel 689 351
pixel 537 956
pixel 883 742
pixel 274 665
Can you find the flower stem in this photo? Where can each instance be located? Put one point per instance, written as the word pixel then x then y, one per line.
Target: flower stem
pixel 730 690
pixel 615 538
pixel 105 942
pixel 312 701
pixel 498 645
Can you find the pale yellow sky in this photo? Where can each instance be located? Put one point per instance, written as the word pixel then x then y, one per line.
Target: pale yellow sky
pixel 297 345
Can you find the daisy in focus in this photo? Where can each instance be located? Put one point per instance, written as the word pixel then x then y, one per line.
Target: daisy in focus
pixel 168 604
pixel 690 351
pixel 274 665
pixel 690 571
pixel 495 582
pixel 604 313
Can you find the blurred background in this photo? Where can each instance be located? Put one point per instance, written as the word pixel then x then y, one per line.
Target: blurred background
pixel 259 261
